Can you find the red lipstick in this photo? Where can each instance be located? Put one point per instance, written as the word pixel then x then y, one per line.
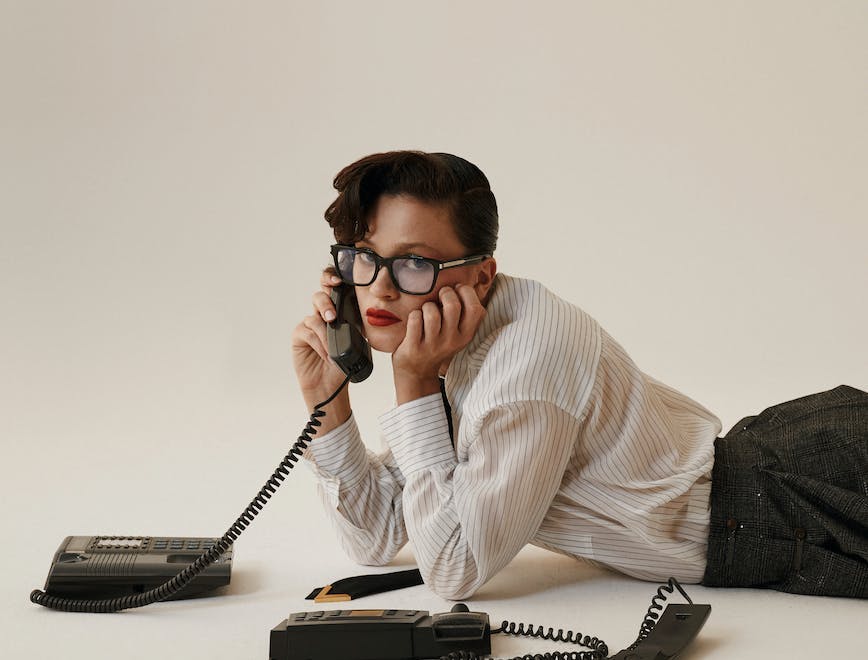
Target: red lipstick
pixel 380 317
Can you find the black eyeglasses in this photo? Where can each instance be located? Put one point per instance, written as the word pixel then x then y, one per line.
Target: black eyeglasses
pixel 410 274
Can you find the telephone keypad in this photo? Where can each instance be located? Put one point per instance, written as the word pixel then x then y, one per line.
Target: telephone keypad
pixel 352 615
pixel 147 543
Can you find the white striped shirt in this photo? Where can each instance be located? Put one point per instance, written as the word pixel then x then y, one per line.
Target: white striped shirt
pixel 560 441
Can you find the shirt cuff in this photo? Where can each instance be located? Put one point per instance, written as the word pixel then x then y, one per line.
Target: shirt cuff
pixel 339 454
pixel 418 435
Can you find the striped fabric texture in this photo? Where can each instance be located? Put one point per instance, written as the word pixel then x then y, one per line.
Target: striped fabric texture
pixel 560 441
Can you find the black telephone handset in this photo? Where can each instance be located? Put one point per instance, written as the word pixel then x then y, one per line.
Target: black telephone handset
pixel 346 343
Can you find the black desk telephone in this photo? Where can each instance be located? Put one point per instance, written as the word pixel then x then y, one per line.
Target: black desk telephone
pixel 113 566
pixel 112 573
pixel 461 634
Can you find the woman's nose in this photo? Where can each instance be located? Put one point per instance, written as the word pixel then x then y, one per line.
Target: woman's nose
pixel 383 286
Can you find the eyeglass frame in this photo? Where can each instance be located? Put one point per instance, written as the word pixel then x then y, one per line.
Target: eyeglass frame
pixel 379 262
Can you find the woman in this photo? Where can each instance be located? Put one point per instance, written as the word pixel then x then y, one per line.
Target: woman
pixel 519 420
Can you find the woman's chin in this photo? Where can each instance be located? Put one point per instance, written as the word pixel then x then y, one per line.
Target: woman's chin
pixel 382 340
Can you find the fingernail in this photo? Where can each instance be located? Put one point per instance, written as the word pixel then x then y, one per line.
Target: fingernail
pixel 336 279
pixel 329 315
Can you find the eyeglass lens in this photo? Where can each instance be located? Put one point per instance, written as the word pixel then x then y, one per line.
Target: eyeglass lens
pixel 413 275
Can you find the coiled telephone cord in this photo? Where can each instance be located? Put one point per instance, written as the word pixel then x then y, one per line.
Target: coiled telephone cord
pixel 599 649
pixel 175 584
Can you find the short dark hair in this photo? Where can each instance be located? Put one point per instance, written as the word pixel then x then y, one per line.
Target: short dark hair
pixel 434 178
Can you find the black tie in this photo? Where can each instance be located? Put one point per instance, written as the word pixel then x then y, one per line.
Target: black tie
pixel 448 409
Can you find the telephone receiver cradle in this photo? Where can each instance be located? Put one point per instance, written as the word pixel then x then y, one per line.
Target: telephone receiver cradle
pixel 346 343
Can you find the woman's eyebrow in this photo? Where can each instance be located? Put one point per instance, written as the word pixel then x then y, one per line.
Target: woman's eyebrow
pixel 402 248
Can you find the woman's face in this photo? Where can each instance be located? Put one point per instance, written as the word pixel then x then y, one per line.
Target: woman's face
pixel 401 225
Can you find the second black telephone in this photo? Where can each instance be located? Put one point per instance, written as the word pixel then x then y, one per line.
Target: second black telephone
pixel 346 343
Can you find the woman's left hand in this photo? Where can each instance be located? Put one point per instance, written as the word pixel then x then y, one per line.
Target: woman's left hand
pixel 435 333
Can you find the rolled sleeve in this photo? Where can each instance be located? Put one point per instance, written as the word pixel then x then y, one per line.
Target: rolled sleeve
pixel 339 455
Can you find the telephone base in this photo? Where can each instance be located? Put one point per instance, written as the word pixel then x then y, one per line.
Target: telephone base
pixel 97 567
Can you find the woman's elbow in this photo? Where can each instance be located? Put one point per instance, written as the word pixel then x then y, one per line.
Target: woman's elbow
pixel 452 587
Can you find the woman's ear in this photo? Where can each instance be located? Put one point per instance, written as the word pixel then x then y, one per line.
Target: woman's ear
pixel 485 278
